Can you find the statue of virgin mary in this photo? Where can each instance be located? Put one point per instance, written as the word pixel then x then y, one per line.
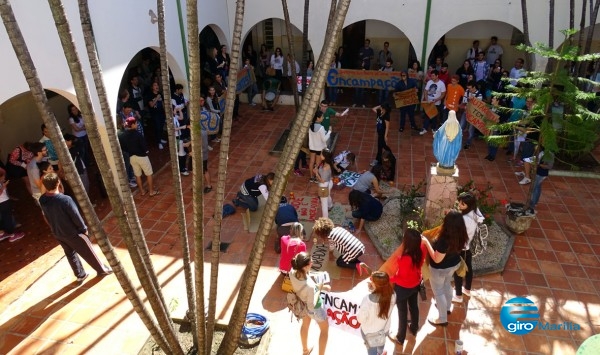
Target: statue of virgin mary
pixel 447 142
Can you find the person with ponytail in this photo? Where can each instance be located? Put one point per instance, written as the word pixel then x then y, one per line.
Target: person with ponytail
pixel 291 245
pixel 407 280
pixel 376 309
pixel 307 290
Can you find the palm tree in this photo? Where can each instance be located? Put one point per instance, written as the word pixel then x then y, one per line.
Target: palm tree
pixel 236 44
pixel 151 286
pixel 198 183
pixel 290 39
pixel 305 57
pixel 303 118
pixel 173 146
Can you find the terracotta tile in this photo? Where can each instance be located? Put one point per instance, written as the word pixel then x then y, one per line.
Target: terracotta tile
pixel 581 248
pixel 551 268
pixel 26 325
pixel 528 265
pixel 573 271
pixel 558 282
pixel 545 255
pixel 534 279
pixel 537 343
pixel 566 257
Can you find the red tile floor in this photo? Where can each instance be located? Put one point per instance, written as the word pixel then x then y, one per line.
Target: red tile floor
pixel 555 263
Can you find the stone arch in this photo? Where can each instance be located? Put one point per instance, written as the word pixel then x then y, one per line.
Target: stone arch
pixel 21 120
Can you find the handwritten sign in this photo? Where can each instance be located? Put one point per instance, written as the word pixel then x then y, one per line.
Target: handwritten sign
pixel 430 110
pixel 244 79
pixel 406 98
pixel 210 122
pixel 368 79
pixel 342 309
pixel 480 115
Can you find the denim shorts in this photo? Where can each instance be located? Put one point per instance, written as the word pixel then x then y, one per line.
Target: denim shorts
pixel 318 314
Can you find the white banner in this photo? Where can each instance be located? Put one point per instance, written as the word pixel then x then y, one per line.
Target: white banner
pixel 342 308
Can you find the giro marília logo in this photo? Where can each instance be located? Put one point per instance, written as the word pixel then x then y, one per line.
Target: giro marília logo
pixel 519 315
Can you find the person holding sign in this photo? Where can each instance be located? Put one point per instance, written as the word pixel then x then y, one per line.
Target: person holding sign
pixel 405 85
pixel 307 290
pixel 434 94
pixel 471 92
pixel 375 312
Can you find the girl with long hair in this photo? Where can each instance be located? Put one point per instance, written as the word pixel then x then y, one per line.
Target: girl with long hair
pixel 317 141
pixel 291 245
pixel 78 130
pixel 323 174
pixel 364 207
pixel 277 63
pixel 467 205
pixel 309 291
pixel 407 280
pixel 463 73
pixel 376 308
pixel 445 256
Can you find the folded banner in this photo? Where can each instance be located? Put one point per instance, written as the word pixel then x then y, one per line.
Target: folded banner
pixel 367 79
pixel 405 98
pixel 480 115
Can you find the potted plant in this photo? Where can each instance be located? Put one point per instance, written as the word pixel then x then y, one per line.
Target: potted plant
pixel 558 123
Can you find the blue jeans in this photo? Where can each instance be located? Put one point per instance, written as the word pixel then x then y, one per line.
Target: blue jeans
pixel 332 93
pixel 359 96
pixel 410 112
pixel 537 190
pixel 383 96
pixel 463 125
pixel 377 350
pixel 441 286
pixel 247 201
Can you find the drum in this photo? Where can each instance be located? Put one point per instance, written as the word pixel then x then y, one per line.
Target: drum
pixel 270 96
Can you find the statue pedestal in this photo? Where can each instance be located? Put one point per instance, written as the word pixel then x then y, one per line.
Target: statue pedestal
pixel 441 195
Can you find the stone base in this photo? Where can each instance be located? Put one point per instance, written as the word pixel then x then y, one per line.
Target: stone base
pixel 441 195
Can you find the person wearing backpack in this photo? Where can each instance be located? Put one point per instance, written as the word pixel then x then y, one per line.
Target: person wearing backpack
pixel 467 204
pixel 309 292
pixel 375 312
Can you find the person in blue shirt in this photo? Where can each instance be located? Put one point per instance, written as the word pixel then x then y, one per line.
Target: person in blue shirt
pixel 405 84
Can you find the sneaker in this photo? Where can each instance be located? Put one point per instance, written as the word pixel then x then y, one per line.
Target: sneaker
pixel 423 131
pixel 4 236
pixel 466 146
pixel 530 212
pixel 253 104
pixel 374 162
pixel 80 279
pixel 297 172
pixel 160 146
pixel 433 131
pixel 236 202
pixel 16 236
pixel 363 106
pixel 313 179
pixel 466 292
pixel 525 181
pixel 457 299
pixel 185 173
pixel 132 184
pixel 217 140
pixel 353 105
pixel 520 173
pixel 163 141
pixel 401 130
pixel 210 148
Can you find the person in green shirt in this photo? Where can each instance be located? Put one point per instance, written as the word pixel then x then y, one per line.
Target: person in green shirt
pixel 328 112
pixel 270 93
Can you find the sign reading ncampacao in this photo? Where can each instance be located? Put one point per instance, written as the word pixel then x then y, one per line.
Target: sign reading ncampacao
pixel 342 309
pixel 405 98
pixel 367 79
pixel 479 115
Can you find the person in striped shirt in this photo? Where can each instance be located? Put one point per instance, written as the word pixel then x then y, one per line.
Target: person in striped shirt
pixel 347 244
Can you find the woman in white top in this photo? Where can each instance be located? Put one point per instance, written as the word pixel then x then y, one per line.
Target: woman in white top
pixel 467 204
pixel 78 129
pixel 309 292
pixel 317 141
pixel 323 173
pixel 277 63
pixel 376 308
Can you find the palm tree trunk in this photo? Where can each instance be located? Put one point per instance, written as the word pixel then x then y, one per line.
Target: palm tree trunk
pixel 198 182
pixel 303 118
pixel 173 146
pixel 128 204
pixel 236 44
pixel 152 287
pixel 590 32
pixel 571 15
pixel 290 39
pixel 305 57
pixel 551 31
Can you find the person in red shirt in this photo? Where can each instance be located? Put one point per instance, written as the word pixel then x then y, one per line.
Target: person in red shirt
pixel 407 280
pixel 444 74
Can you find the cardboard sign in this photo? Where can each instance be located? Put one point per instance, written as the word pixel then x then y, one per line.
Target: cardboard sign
pixel 406 98
pixel 244 79
pixel 430 110
pixel 367 79
pixel 480 115
pixel 210 122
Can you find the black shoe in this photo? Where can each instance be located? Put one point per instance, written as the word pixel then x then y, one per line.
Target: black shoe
pixel 487 157
pixel 467 146
pixel 401 130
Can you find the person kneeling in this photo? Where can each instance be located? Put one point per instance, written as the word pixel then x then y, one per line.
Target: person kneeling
pixel 364 207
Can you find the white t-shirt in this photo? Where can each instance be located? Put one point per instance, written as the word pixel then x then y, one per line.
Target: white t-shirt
pixel 434 91
pixel 493 52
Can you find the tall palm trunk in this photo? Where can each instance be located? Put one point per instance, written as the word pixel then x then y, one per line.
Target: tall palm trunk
pixel 127 198
pixel 198 182
pixel 151 286
pixel 290 39
pixel 571 15
pixel 305 57
pixel 173 147
pixel 303 118
pixel 526 28
pixel 551 6
pixel 236 44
